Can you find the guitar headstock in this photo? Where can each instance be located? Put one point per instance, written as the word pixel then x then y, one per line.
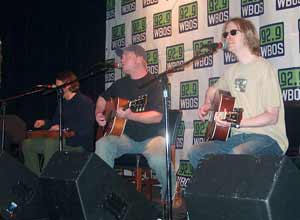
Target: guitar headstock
pixel 139 104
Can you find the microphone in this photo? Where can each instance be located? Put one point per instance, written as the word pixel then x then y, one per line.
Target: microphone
pixel 215 46
pixel 49 86
pixel 117 65
pixel 114 65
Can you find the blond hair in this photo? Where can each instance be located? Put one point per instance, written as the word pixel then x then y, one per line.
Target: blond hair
pixel 248 29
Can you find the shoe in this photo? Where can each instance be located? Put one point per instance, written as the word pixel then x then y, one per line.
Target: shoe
pixel 179 210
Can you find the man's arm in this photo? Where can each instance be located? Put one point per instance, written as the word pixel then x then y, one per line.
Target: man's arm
pixel 209 96
pixel 269 117
pixel 100 107
pixel 149 117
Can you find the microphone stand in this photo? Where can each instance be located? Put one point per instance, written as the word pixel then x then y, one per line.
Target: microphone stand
pixel 3 108
pixel 60 106
pixel 162 77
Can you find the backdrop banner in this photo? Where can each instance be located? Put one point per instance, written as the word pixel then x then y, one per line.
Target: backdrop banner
pixel 175 31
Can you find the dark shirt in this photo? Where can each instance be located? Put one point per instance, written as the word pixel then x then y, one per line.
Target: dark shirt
pixel 128 88
pixel 78 115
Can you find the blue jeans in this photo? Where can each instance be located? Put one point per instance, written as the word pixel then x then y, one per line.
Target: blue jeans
pixel 108 148
pixel 254 144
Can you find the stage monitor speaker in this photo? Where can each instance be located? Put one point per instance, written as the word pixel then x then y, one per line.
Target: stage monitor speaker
pixel 81 186
pixel 235 187
pixel 20 196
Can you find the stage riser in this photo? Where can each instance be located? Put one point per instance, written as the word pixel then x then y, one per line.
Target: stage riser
pixel 235 187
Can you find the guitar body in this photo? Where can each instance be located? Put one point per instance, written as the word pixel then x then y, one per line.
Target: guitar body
pixel 222 100
pixel 115 125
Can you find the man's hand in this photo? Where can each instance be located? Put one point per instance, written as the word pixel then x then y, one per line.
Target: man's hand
pixel 219 119
pixel 203 111
pixel 100 118
pixel 39 123
pixel 54 128
pixel 121 113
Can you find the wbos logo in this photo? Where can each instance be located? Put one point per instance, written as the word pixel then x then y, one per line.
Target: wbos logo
pixel 118 36
pixel 152 61
pixel 289 80
pixel 180 136
pixel 189 95
pixel 188 17
pixel 205 55
pixel 110 73
pixel 128 6
pixel 162 24
pixel 218 11
pixel 175 57
pixel 251 8
pixel 212 81
pixel 147 3
pixel 284 4
pixel 272 40
pixel 229 58
pixel 110 9
pixel 184 173
pixel 199 131
pixel 139 30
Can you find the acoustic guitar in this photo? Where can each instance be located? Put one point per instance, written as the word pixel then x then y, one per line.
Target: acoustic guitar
pixel 223 101
pixel 116 125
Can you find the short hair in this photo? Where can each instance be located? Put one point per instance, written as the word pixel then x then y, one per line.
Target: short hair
pixel 250 33
pixel 68 76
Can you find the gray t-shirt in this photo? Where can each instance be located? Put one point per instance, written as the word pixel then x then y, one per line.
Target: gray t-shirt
pixel 255 87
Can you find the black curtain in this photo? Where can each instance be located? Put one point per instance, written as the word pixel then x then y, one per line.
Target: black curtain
pixel 42 38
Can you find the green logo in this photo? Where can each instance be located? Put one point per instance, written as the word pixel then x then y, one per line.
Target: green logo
pixel 284 4
pixel 118 36
pixel 180 136
pixel 152 61
pixel 218 11
pixel 139 30
pixel 110 73
pixel 188 17
pixel 162 24
pixel 205 55
pixel 175 57
pixel 251 8
pixel 229 58
pixel 289 80
pixel 184 173
pixel 147 3
pixel 189 95
pixel 110 9
pixel 272 40
pixel 199 131
pixel 212 81
pixel 127 6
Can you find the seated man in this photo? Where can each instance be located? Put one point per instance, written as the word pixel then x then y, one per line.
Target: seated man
pixel 77 115
pixel 254 83
pixel 142 131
